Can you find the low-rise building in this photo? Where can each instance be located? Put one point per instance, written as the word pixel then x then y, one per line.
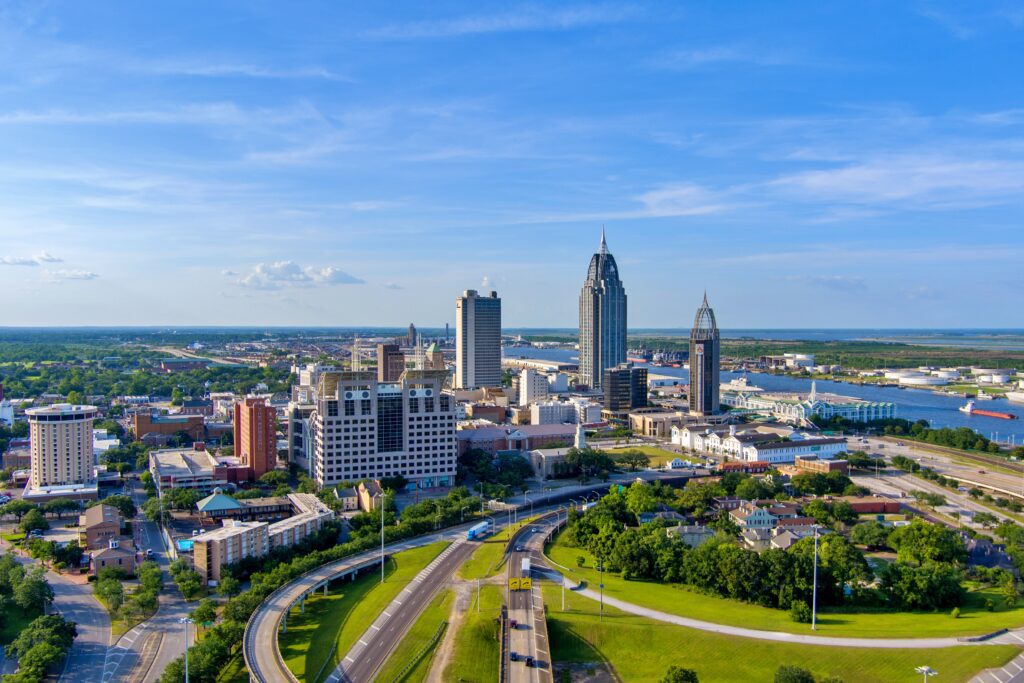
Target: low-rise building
pixel 99 525
pixel 152 427
pixel 117 554
pixel 195 468
pixel 775 452
pixel 750 516
pixel 692 535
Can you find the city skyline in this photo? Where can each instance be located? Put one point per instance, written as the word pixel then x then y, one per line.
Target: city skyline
pixel 314 165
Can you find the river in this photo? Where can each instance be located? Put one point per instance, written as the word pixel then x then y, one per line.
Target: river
pixel 912 404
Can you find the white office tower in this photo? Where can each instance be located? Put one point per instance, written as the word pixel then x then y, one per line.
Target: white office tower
pixel 365 429
pixel 61 444
pixel 477 340
pixel 533 387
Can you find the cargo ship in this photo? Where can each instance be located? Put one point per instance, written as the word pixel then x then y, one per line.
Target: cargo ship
pixel 971 410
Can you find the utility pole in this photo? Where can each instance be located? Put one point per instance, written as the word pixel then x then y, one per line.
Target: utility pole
pixel 814 594
pixel 478 596
pixel 383 498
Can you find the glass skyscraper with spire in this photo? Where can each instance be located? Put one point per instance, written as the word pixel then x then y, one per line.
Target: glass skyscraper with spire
pixel 704 361
pixel 602 318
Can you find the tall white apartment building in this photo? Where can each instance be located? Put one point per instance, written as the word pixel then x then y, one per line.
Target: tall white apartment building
pixel 533 387
pixel 364 429
pixel 477 340
pixel 552 413
pixel 61 444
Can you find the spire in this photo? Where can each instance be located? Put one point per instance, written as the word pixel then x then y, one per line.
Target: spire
pixel 604 246
pixel 705 297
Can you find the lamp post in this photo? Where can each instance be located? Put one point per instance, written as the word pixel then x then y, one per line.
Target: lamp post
pixel 383 498
pixel 814 592
pixel 185 621
pixel 927 671
pixel 600 566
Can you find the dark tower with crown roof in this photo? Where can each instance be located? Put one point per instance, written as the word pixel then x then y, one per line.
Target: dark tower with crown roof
pixel 704 361
pixel 602 318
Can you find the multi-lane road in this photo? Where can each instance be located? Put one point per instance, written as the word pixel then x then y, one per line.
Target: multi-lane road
pixel 529 638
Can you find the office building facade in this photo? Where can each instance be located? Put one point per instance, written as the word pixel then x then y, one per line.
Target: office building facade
pixel 256 435
pixel 390 362
pixel 602 337
pixel 625 389
pixel 364 429
pixel 705 358
pixel 477 340
pixel 60 444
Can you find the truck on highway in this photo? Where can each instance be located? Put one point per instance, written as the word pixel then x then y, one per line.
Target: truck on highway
pixel 525 565
pixel 478 531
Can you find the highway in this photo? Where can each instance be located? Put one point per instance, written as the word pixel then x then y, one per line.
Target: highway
pixel 526 607
pixel 368 655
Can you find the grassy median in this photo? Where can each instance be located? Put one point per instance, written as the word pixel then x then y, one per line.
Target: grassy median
pixel 476 649
pixel 640 649
pixel 333 623
pixel 974 619
pixel 419 637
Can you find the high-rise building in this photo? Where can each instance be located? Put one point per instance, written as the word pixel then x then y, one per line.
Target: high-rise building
pixel 256 435
pixel 625 389
pixel 602 318
pixel 434 358
pixel 390 362
pixel 300 407
pixel 533 386
pixel 364 429
pixel 61 444
pixel 410 336
pixel 704 362
pixel 477 340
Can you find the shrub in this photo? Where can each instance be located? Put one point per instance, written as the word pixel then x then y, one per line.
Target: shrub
pixel 800 612
pixel 955 613
pixel 793 674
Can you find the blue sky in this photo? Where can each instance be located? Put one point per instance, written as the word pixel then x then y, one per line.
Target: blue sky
pixel 809 164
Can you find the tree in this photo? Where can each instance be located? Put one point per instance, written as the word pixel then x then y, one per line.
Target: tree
pixel 844 512
pixel 152 509
pixel 986 519
pixel 34 521
pixel 932 585
pixel 921 541
pixel 871 534
pixel 18 507
pixel 229 586
pixel 633 459
pixel 274 478
pixel 676 674
pixel 33 593
pixel 206 611
pixel 640 498
pixel 123 504
pixel 793 674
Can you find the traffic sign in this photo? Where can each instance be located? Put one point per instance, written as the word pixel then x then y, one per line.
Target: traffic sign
pixel 526 584
pixel 513 584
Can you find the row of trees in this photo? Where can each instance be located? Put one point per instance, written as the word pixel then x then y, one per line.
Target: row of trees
pixel 109 586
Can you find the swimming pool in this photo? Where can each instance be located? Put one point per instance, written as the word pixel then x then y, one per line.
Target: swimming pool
pixel 185 545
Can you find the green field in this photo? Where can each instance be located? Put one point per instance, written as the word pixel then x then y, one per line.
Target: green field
pixel 333 623
pixel 418 637
pixel 486 560
pixel 674 599
pixel 642 650
pixel 475 656
pixel 658 456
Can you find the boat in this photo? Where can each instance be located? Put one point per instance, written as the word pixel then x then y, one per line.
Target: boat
pixel 971 410
pixel 1015 396
pixel 982 396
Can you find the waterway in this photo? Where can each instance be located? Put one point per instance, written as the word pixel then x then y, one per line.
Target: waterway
pixel 912 404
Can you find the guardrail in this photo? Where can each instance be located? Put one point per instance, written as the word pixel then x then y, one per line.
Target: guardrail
pixel 419 655
pixel 503 647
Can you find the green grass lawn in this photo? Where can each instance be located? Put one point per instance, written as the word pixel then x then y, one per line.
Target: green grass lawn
pixel 338 619
pixel 863 623
pixel 486 560
pixel 476 650
pixel 658 456
pixel 418 637
pixel 14 621
pixel 234 671
pixel 642 650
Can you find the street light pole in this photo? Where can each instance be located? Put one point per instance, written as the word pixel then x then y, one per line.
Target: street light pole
pixel 600 565
pixel 927 671
pixel 382 499
pixel 814 593
pixel 185 621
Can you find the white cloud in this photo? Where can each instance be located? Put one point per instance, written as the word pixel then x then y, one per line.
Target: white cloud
pixel 40 258
pixel 680 199
pixel 213 69
pixel 60 275
pixel 521 19
pixel 392 285
pixel 280 274
pixel 18 261
pixel 485 282
pixel 695 58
